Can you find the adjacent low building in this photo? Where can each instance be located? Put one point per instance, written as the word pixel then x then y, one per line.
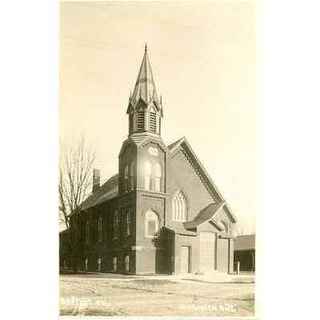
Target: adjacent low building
pixel 245 252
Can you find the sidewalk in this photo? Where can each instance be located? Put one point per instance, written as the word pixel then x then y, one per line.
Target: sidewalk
pixel 219 277
pixel 212 277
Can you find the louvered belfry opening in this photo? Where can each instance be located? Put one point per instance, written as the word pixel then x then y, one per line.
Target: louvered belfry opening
pixel 153 122
pixel 140 121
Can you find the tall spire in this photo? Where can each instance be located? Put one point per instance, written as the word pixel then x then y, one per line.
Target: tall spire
pixel 145 88
pixel 145 109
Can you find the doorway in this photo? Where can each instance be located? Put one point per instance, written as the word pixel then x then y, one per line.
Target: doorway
pixel 185 259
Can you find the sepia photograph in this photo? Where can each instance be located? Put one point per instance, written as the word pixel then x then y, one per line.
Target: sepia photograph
pixel 157 158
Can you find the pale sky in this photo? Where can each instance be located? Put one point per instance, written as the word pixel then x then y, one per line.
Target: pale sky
pixel 203 59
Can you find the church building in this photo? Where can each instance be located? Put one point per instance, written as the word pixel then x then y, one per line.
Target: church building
pixel 161 213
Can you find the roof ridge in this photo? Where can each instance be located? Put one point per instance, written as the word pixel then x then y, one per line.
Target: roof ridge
pixel 109 185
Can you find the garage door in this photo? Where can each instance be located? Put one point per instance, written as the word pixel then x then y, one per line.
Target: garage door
pixel 207 251
pixel 185 259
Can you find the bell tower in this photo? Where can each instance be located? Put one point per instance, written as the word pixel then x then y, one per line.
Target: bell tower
pixel 142 169
pixel 145 108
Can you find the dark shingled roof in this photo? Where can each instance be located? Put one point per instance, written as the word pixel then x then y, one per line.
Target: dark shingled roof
pixel 107 191
pixel 245 242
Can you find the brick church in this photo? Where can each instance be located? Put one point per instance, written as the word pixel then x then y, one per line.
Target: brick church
pixel 161 213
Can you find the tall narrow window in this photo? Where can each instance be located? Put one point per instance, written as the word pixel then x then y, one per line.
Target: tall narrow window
pixel 147 175
pixel 128 222
pixel 179 207
pixel 87 232
pixel 115 225
pixel 126 178
pixel 157 177
pixel 151 224
pixel 100 230
pixel 86 262
pixel 132 175
pixel 99 264
pixel 127 263
pixel 140 120
pixel 114 264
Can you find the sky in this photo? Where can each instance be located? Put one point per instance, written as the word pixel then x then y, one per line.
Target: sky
pixel 203 57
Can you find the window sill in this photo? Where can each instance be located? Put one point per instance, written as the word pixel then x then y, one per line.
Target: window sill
pixel 151 192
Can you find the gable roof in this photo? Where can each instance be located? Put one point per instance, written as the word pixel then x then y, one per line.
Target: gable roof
pixel 107 191
pixel 245 242
pixel 204 215
pixel 201 171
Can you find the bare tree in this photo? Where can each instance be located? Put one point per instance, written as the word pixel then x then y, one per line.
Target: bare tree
pixel 76 164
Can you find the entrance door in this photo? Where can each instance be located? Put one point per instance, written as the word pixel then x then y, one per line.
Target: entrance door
pixel 185 259
pixel 207 251
pixel 223 255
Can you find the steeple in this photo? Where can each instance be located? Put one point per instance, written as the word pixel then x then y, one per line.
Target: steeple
pixel 145 108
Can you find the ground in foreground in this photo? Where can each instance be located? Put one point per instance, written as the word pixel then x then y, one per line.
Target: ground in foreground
pixel 151 296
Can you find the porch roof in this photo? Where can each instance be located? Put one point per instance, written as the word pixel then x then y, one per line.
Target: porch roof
pixel 204 215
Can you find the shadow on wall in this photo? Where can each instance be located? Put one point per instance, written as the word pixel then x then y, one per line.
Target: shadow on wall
pixel 164 243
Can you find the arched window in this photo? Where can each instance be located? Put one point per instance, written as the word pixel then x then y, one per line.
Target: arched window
pixel 147 171
pixel 157 177
pixel 115 224
pixel 132 175
pixel 151 224
pixel 126 178
pixel 127 263
pixel 179 207
pixel 100 234
pixel 87 232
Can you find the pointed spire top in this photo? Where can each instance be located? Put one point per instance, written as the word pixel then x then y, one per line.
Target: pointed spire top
pixel 145 87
